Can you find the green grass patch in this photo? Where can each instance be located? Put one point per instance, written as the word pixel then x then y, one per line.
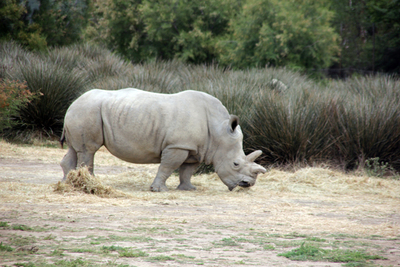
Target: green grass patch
pixel 5 247
pixel 57 252
pixel 309 252
pixel 21 227
pixel 112 248
pixel 20 241
pixel 132 253
pixel 4 224
pixel 269 247
pixel 73 263
pixel 159 258
pixel 182 256
pixel 83 250
pixel 49 237
pixel 227 242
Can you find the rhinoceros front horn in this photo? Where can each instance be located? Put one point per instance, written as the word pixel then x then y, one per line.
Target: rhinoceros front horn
pixel 252 156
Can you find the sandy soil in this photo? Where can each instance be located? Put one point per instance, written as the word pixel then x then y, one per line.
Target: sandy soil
pixel 210 226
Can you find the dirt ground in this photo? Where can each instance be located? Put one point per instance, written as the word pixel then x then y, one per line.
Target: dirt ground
pixel 210 226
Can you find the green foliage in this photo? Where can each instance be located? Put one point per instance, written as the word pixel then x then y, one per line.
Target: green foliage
pixel 187 30
pixel 234 33
pixel 62 21
pixel 37 24
pixel 281 33
pixel 14 25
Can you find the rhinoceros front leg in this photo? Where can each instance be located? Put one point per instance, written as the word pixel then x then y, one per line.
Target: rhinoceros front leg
pixel 171 159
pixel 185 174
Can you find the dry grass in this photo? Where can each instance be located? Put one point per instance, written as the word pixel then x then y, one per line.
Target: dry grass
pixel 308 200
pixel 82 181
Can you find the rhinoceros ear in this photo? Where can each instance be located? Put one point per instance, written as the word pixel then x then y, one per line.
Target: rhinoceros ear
pixel 233 122
pixel 252 156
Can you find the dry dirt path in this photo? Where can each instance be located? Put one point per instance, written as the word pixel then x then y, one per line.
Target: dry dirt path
pixel 315 207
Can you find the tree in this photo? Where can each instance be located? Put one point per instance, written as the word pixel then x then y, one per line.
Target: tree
pixel 281 33
pixel 62 21
pixel 40 23
pixel 14 24
pixel 385 17
pixel 370 34
pixel 188 30
pixel 166 29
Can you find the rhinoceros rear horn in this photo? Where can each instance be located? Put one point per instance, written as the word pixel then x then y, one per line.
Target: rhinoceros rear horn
pixel 233 122
pixel 252 156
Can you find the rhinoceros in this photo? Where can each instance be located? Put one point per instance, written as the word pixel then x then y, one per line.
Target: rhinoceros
pixel 176 130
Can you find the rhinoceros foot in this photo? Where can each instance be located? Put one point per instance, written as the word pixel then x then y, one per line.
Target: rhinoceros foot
pixel 158 188
pixel 187 187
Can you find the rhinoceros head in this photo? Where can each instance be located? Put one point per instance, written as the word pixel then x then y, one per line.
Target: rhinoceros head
pixel 231 164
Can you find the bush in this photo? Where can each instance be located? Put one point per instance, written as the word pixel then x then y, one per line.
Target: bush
pixel 14 95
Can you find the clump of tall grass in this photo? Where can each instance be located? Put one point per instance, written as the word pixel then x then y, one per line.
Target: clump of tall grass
pixel 292 118
pixel 367 123
pixel 56 88
pixel 291 128
pixel 57 77
pixel 348 122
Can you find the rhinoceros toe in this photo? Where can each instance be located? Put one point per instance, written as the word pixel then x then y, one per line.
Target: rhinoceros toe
pixel 158 188
pixel 187 187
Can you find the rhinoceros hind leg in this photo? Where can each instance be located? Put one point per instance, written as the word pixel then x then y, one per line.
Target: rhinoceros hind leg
pixel 185 174
pixel 69 161
pixel 171 159
pixel 86 159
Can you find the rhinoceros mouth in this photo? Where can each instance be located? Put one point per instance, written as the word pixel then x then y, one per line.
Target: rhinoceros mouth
pixel 241 184
pixel 244 184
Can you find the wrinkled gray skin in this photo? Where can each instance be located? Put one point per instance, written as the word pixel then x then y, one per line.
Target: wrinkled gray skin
pixel 176 130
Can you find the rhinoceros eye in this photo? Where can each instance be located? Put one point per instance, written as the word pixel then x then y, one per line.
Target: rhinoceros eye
pixel 236 164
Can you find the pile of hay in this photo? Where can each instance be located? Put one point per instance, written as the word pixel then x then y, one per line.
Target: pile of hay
pixel 81 180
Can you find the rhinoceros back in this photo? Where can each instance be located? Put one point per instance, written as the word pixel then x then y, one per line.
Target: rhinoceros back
pixel 137 126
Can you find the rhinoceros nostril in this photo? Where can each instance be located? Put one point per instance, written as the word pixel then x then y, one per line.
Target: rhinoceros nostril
pixel 244 184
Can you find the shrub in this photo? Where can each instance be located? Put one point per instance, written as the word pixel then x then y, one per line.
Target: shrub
pixel 13 96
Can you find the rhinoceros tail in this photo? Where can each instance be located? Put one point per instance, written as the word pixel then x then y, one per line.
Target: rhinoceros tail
pixel 62 139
